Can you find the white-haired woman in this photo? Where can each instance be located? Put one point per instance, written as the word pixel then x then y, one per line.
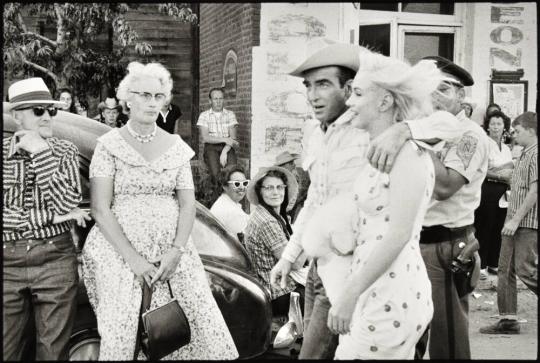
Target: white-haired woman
pixel 144 207
pixel 370 261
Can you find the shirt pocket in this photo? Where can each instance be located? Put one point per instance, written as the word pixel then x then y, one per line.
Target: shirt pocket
pixel 12 174
pixel 346 164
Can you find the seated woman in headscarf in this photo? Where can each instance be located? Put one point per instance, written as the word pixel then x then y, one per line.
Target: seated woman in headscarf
pixel 271 193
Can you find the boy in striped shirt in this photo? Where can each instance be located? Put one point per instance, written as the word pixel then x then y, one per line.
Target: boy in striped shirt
pixel 519 248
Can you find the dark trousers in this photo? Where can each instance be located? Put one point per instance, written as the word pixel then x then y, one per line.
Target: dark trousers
pixel 43 277
pixel 212 153
pixel 319 342
pixel 488 223
pixel 449 329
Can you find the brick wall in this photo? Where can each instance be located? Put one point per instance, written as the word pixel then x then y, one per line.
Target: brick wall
pixel 224 27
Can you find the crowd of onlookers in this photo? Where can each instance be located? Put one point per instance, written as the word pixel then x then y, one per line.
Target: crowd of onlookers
pixel 380 225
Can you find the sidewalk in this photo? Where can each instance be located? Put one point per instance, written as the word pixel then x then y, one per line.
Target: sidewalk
pixel 483 311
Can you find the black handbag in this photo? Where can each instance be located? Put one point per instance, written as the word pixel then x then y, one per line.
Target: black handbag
pixel 161 330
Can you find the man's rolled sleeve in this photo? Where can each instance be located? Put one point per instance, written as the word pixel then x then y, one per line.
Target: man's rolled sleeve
pixel 439 125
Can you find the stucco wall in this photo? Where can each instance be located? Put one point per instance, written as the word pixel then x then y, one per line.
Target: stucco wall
pixel 504 39
pixel 280 108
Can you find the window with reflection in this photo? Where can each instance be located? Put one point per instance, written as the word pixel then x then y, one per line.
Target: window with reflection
pixel 420 45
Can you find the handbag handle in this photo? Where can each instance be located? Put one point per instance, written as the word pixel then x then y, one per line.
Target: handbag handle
pixel 147 295
pixel 145 306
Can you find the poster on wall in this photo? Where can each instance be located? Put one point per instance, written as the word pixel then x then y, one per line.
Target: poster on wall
pixel 230 74
pixel 510 95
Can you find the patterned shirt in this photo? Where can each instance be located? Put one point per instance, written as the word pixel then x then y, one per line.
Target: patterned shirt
pixel 333 159
pixel 264 235
pixel 37 187
pixel 218 123
pixel 525 172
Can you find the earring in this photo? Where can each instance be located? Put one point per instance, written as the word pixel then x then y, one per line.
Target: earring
pixel 128 104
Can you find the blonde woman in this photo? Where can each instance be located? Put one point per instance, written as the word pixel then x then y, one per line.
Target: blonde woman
pixel 144 207
pixel 369 257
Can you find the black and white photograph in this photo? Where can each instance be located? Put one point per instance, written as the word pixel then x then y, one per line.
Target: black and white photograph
pixel 264 180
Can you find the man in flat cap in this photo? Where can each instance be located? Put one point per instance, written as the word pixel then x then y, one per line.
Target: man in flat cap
pixel 447 239
pixel 42 189
pixel 327 74
pixel 287 160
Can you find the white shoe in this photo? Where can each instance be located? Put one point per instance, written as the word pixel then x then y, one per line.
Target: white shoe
pixel 483 274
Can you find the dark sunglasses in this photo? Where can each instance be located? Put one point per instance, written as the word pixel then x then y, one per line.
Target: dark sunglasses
pixel 39 111
pixel 237 183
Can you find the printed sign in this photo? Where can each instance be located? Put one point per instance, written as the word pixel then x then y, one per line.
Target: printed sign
pixel 229 83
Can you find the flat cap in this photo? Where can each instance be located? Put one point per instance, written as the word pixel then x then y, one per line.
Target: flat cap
pixel 326 52
pixel 452 69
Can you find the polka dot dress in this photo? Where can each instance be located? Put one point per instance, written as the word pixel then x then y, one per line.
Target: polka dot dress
pixel 393 313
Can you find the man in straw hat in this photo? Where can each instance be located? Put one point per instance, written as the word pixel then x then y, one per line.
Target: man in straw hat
pixel 327 73
pixel 447 241
pixel 287 160
pixel 42 189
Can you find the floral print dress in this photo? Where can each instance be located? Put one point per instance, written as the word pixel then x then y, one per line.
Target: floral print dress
pixel 146 208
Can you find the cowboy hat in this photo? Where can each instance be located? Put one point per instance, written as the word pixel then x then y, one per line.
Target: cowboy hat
pixel 326 52
pixel 285 157
pixel 31 91
pixel 109 103
pixel 292 185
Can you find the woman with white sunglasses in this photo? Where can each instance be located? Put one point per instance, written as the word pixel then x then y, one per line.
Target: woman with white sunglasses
pixel 227 208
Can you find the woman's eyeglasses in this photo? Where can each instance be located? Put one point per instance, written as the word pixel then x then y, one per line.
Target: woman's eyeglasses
pixel 39 111
pixel 147 96
pixel 237 183
pixel 270 188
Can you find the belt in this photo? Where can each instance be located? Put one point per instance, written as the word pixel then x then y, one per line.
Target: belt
pixel 33 242
pixel 436 234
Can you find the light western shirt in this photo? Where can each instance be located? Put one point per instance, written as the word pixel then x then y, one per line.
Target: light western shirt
pixel 333 160
pixel 218 123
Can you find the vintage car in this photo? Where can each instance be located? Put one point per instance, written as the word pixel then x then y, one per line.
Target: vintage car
pixel 243 301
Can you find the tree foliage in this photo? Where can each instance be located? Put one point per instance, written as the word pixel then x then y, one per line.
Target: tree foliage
pixel 69 58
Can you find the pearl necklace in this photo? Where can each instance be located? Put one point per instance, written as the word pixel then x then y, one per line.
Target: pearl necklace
pixel 141 138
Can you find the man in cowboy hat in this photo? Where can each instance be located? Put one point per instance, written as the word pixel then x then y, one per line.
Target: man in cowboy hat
pixel 447 239
pixel 287 160
pixel 42 189
pixel 109 112
pixel 327 75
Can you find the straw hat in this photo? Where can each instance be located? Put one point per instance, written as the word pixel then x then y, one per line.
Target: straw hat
pixel 285 157
pixel 326 52
pixel 31 91
pixel 292 185
pixel 109 103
